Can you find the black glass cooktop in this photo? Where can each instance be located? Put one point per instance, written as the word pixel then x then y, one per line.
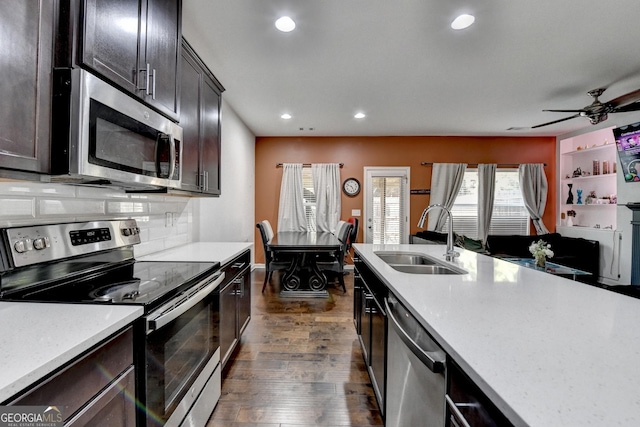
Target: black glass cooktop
pixel 147 283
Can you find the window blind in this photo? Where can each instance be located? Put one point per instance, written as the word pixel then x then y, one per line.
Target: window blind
pixel 509 213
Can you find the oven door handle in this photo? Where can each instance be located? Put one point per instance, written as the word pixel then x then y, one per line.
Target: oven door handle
pixel 166 317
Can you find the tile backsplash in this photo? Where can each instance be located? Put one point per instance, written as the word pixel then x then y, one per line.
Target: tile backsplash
pixel 164 221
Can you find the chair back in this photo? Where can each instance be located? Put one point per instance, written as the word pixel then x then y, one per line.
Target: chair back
pixel 264 234
pixel 267 226
pixel 339 226
pixel 354 231
pixel 345 231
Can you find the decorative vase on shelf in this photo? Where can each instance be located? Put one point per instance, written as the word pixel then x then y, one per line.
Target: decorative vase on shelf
pixel 570 198
pixel 570 221
pixel 579 202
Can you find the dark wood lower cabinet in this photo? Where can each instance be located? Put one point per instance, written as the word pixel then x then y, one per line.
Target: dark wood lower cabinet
pixel 235 304
pixel 96 390
pixel 370 320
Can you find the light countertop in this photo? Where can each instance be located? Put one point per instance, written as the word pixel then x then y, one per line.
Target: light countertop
pixel 222 252
pixel 38 338
pixel 547 351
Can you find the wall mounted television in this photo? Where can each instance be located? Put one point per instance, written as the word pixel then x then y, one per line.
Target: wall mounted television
pixel 628 145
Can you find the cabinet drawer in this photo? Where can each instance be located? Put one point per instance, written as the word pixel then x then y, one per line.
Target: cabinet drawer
pixel 75 385
pixel 235 267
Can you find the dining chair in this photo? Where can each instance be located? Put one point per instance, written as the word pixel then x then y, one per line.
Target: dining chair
pixel 270 263
pixel 354 231
pixel 336 264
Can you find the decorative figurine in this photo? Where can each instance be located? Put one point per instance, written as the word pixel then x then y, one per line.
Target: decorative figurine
pixel 570 198
pixel 577 173
pixel 579 202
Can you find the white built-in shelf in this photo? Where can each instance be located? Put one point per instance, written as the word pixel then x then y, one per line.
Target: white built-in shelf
pixel 564 228
pixel 590 205
pixel 590 149
pixel 587 177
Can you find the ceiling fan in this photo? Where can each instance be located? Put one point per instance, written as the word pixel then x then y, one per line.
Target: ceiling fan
pixel 598 111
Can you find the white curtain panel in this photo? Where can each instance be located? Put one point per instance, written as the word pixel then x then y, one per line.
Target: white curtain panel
pixel 446 180
pixel 533 184
pixel 326 183
pixel 486 196
pixel 291 209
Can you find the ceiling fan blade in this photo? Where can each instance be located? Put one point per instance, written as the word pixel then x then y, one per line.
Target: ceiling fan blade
pixel 555 121
pixel 625 99
pixel 626 108
pixel 567 111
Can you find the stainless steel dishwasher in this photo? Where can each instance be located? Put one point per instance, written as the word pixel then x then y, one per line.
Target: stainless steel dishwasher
pixel 415 372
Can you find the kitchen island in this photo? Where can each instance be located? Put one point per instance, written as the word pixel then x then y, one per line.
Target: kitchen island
pixel 547 351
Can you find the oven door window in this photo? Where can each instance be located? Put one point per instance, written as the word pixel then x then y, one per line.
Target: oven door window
pixel 177 353
pixel 119 142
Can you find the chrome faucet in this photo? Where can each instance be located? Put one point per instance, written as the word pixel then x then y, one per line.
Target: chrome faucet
pixel 451 253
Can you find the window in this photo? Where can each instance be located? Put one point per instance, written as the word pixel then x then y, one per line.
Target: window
pixel 509 213
pixel 309 198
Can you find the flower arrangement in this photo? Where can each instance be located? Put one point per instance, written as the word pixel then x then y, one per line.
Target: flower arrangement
pixel 571 213
pixel 591 198
pixel 541 250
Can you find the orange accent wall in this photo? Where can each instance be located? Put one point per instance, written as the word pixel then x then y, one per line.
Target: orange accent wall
pixel 358 152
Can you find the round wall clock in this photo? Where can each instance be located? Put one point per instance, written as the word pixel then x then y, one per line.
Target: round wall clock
pixel 351 187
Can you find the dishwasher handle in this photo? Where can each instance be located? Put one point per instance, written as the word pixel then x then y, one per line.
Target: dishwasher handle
pixel 434 360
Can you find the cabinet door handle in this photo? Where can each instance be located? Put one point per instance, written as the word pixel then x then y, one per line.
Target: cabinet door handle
pixel 206 181
pixel 153 76
pixel 144 71
pixel 147 83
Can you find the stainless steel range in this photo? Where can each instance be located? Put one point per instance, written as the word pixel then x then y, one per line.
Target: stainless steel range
pixel 177 348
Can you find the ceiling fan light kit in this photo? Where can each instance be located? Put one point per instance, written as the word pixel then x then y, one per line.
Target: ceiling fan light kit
pixel 597 111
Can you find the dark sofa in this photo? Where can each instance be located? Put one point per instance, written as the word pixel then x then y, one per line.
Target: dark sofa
pixel 573 252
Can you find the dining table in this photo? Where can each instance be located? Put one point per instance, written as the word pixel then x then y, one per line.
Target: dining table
pixel 303 277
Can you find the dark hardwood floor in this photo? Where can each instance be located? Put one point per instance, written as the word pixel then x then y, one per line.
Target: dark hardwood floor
pixel 299 364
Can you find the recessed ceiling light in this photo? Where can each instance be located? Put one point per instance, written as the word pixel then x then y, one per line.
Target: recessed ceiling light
pixel 359 116
pixel 285 24
pixel 462 22
pixel 285 116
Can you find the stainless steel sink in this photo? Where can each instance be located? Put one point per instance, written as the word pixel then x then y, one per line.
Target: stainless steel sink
pixel 416 263
pixel 405 258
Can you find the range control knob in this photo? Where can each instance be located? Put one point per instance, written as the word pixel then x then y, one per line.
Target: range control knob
pixel 126 231
pixel 41 243
pixel 20 246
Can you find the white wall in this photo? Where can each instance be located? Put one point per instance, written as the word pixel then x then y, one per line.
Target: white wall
pixel 230 217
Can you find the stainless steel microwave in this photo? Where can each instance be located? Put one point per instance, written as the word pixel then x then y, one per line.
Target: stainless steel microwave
pixel 101 135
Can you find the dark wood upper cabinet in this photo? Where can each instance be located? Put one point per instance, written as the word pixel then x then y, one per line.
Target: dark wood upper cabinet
pixel 26 54
pixel 136 45
pixel 200 100
pixel 190 122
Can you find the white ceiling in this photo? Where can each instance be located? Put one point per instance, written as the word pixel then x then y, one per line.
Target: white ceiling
pixel 401 64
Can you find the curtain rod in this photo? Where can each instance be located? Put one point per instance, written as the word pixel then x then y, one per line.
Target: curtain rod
pixel 504 165
pixel 279 165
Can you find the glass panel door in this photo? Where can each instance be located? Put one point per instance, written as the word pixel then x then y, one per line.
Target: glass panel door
pixel 386 205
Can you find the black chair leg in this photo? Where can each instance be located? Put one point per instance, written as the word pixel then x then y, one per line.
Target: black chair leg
pixel 341 280
pixel 267 277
